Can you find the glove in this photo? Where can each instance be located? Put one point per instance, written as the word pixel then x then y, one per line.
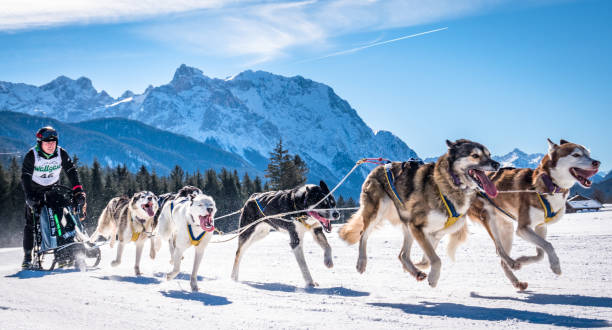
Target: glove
pixel 81 201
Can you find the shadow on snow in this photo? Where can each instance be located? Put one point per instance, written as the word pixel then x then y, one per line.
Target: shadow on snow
pixel 131 279
pixel 553 299
pixel 335 291
pixel 23 274
pixel 494 314
pixel 204 298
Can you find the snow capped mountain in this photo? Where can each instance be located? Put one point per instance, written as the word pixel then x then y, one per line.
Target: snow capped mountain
pixel 519 159
pixel 63 98
pixel 246 114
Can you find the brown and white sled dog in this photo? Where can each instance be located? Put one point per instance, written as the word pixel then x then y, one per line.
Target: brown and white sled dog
pixel 543 205
pixel 184 222
pixel 127 220
pixel 421 198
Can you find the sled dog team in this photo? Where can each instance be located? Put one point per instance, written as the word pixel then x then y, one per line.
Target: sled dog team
pixel 425 201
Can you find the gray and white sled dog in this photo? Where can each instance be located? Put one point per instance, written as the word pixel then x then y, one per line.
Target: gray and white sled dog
pixel 127 220
pixel 185 221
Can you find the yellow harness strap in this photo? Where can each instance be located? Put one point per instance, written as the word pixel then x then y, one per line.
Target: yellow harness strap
pixel 195 241
pixel 453 216
pixel 135 235
pixel 301 219
pixel 549 215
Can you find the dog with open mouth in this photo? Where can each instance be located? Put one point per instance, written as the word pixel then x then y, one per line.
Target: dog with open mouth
pixel 314 221
pixel 184 221
pixel 535 198
pixel 127 220
pixel 427 201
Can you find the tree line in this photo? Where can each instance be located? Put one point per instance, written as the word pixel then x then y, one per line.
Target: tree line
pixel 229 189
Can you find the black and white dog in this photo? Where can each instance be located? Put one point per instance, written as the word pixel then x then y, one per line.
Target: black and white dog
pixel 277 202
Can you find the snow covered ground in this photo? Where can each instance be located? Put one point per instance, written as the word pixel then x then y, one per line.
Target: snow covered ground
pixel 471 293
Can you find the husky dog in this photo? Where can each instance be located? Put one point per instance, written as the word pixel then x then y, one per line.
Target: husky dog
pixel 184 221
pixel 564 165
pixel 127 220
pixel 276 202
pixel 427 200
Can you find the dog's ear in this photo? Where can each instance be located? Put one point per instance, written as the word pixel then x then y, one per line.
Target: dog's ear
pixel 563 141
pixel 324 187
pixel 551 147
pixel 449 143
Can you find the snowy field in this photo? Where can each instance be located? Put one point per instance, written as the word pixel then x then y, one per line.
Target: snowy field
pixel 471 293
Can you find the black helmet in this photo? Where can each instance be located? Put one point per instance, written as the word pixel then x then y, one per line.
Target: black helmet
pixel 46 133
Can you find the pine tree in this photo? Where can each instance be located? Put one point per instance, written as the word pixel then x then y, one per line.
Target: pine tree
pixel 154 184
pixel 142 178
pixel 176 178
pixel 285 171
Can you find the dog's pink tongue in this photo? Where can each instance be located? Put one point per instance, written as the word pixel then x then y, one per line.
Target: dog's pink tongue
pixel 206 223
pixel 149 210
pixel 487 185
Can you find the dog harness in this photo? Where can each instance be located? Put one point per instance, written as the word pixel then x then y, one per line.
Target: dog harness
pixel 195 241
pixel 391 181
pixel 549 215
pixel 453 216
pixel 135 234
pixel 261 209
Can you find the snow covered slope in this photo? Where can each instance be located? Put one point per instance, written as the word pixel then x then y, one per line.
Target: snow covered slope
pixel 472 292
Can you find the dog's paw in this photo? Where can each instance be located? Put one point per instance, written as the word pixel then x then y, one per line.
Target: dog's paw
pixel 328 262
pixel 556 268
pixel 433 278
pixel 194 287
pixel 152 254
pixel 522 286
pixel 361 265
pixel 312 284
pixel 115 263
pixel 137 271
pixel 420 276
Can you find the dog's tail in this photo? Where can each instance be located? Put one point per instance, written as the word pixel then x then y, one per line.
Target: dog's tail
pixel 351 231
pixel 456 239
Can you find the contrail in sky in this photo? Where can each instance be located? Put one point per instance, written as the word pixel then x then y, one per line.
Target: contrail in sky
pixel 353 50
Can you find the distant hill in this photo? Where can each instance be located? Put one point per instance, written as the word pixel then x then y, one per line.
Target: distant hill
pixel 116 141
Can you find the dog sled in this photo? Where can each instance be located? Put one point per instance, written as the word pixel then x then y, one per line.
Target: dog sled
pixel 60 240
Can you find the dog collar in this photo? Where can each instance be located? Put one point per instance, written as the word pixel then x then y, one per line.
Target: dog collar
pixel 549 215
pixel 455 178
pixel 550 185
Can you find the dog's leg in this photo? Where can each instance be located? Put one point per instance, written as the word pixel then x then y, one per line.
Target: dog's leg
pixel 117 260
pixel 404 256
pixel 176 258
pixel 430 252
pixel 492 223
pixel 434 240
pixel 153 248
pixel 320 238
pixel 506 236
pixel 245 240
pixel 371 214
pixel 541 231
pixel 199 252
pixel 139 247
pixel 296 245
pixel 529 235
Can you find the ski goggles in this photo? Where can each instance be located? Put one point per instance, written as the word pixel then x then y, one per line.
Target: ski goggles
pixel 47 136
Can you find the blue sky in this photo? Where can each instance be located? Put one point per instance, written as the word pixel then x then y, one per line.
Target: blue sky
pixel 505 73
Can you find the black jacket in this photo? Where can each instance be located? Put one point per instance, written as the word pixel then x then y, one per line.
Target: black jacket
pixel 31 188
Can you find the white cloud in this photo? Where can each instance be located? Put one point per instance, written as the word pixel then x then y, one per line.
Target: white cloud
pixel 257 30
